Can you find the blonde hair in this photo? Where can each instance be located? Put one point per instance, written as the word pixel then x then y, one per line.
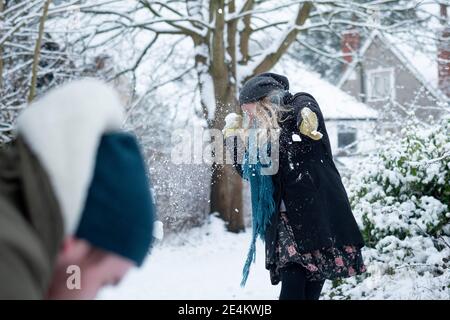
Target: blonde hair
pixel 268 117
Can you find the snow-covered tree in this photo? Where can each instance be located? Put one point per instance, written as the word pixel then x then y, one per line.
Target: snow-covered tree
pixel 32 57
pixel 226 43
pixel 401 197
pixel 321 50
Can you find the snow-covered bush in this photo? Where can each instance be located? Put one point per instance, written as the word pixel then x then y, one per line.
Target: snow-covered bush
pixel 401 198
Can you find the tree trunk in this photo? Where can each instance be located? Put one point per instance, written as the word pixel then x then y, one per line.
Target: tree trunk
pixel 226 196
pixel 226 184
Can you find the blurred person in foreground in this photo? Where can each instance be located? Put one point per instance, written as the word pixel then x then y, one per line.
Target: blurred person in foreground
pixel 76 212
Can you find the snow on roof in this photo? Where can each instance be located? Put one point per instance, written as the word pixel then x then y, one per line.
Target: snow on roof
pixel 422 65
pixel 425 64
pixel 334 103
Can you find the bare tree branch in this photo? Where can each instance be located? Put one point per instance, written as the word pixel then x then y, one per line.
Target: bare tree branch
pixel 1 46
pixel 138 61
pixel 173 22
pixel 290 35
pixel 244 38
pixel 37 51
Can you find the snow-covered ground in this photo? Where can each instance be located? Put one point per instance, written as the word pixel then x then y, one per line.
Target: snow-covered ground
pixel 204 263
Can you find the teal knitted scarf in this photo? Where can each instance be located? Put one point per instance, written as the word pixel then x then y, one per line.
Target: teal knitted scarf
pixel 263 205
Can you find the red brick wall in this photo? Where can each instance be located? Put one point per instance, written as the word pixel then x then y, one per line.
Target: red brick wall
pixel 350 44
pixel 444 62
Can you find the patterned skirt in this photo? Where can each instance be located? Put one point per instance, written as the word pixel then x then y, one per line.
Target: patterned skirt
pixel 328 263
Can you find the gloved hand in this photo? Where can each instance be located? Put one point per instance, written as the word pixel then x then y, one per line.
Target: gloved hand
pixel 310 124
pixel 233 122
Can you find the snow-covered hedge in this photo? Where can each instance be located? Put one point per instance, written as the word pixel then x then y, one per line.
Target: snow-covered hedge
pixel 401 198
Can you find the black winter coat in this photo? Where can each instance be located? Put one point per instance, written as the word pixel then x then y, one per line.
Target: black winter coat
pixel 311 187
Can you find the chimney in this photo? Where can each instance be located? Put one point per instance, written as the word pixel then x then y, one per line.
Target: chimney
pixel 350 42
pixel 444 54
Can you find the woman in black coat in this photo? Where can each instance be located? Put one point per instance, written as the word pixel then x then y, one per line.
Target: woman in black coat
pixel 311 235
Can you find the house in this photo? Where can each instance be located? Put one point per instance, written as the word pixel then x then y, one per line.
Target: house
pixel 392 76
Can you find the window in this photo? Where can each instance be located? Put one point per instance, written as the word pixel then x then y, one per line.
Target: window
pixel 380 84
pixel 346 138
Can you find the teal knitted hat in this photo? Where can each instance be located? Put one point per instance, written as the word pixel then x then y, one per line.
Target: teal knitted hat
pixel 119 211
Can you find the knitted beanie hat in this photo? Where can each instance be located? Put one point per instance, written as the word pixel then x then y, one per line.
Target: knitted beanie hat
pixel 261 86
pixel 119 211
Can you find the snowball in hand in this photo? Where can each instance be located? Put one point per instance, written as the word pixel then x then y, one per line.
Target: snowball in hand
pixel 233 121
